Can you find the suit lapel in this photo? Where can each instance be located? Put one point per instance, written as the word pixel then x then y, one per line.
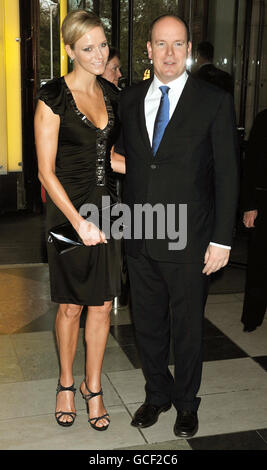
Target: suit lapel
pixel 187 101
pixel 141 114
pixel 189 98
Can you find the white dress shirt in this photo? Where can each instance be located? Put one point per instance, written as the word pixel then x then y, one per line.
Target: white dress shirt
pixel 153 98
pixel 152 101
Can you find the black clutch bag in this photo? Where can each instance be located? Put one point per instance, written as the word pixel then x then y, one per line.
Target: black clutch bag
pixel 65 237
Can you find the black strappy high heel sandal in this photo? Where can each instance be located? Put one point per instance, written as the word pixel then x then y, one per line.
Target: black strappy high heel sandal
pixel 72 414
pixel 93 421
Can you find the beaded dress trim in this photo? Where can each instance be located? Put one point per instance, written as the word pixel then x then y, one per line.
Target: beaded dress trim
pixel 101 134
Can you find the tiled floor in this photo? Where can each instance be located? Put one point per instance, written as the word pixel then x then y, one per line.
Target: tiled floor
pixel 232 414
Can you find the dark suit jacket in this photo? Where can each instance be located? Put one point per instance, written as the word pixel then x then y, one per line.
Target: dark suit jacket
pixel 196 164
pixel 255 165
pixel 218 77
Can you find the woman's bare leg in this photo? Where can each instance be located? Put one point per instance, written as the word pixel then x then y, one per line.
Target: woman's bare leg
pixel 67 331
pixel 96 335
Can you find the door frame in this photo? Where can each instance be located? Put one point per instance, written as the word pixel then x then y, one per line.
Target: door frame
pixel 30 66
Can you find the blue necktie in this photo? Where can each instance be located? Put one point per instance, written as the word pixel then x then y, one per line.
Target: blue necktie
pixel 162 118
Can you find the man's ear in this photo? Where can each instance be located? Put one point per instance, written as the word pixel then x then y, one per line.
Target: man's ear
pixel 149 49
pixel 189 48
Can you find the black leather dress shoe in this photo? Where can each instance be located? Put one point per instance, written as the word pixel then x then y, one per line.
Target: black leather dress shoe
pixel 186 424
pixel 148 414
pixel 249 328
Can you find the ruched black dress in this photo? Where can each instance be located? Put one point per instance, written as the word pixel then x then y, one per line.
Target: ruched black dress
pixel 84 275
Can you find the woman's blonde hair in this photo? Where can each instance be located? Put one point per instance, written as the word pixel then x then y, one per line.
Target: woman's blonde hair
pixel 76 24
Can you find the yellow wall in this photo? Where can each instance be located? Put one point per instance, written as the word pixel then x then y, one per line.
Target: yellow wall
pixel 63 53
pixel 13 85
pixel 3 130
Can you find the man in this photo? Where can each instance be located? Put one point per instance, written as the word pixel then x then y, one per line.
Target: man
pixel 207 71
pixel 195 164
pixel 255 218
pixel 112 71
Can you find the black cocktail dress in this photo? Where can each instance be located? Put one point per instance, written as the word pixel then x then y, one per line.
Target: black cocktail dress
pixel 86 275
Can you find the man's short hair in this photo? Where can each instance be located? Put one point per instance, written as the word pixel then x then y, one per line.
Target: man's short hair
pixel 206 50
pixel 113 52
pixel 168 15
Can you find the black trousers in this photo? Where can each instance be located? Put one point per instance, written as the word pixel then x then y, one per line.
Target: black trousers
pixel 168 299
pixel 255 300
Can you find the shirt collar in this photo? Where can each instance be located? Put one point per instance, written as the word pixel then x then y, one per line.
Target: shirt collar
pixel 174 84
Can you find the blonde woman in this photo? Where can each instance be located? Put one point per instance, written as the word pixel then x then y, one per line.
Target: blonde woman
pixel 75 126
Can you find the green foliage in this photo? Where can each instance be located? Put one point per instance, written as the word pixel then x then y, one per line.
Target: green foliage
pixel 45 40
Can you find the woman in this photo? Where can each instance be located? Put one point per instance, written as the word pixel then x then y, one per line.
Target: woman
pixel 75 126
pixel 112 71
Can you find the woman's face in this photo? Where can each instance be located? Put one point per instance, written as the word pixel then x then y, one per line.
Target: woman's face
pixel 91 51
pixel 112 72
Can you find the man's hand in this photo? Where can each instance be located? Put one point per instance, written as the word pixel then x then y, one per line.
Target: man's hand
pixel 215 259
pixel 117 162
pixel 249 218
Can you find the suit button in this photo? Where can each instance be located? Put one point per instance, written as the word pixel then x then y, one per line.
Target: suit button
pixel 153 166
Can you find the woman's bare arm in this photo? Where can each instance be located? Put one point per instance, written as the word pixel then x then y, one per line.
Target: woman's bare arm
pixel 46 128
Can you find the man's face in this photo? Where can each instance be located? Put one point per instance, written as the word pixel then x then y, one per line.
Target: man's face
pixel 112 71
pixel 169 49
